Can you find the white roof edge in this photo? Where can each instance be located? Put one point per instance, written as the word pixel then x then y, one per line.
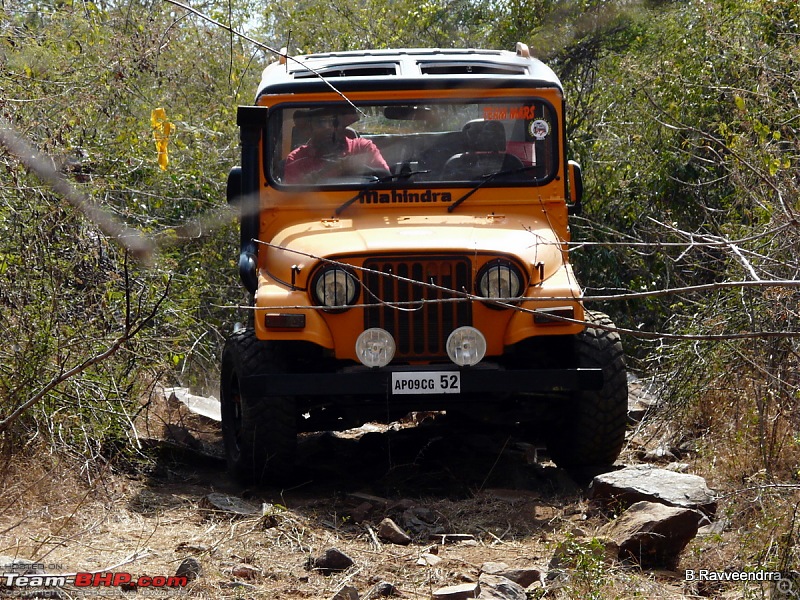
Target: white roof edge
pixel 408 61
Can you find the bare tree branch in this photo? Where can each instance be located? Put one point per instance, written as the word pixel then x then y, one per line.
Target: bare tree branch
pixel 129 238
pixel 132 328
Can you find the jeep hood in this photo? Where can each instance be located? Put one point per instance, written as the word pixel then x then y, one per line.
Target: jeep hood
pixel 515 235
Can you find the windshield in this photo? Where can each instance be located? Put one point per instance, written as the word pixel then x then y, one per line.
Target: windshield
pixel 510 142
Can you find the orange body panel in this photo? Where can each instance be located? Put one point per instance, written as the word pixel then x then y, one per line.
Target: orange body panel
pixel 299 229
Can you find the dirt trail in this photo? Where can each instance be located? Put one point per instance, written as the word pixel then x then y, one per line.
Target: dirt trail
pixel 431 476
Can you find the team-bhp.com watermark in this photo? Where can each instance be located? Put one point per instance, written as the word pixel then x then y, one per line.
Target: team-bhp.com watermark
pixel 95 581
pixel 783 585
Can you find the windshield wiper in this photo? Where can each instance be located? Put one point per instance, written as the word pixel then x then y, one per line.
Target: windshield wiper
pixel 487 179
pixel 372 184
pixel 403 175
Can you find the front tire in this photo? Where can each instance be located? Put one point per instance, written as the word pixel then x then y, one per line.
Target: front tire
pixel 591 425
pixel 259 431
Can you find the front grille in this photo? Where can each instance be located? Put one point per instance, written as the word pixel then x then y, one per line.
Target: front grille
pixel 420 331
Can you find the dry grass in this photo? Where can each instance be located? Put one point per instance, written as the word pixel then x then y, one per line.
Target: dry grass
pixel 74 518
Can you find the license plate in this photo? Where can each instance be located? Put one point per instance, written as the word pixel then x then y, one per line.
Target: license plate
pixel 427 382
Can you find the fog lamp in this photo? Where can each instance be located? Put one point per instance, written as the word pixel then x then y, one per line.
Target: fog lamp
pixel 466 346
pixel 375 347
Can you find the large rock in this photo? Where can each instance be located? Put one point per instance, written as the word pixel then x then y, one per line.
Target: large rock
pixel 347 592
pixel 428 560
pixel 457 592
pixel 497 587
pixel 651 534
pixel 205 406
pixel 190 568
pixel 382 589
pixel 389 531
pixel 647 483
pixel 230 505
pixel 420 521
pixel 524 576
pixel 332 560
pixel 641 400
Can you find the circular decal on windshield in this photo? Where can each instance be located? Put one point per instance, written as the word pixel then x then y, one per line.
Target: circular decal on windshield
pixel 539 128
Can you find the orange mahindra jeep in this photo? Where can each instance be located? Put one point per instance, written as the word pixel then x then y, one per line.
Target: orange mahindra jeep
pixel 404 229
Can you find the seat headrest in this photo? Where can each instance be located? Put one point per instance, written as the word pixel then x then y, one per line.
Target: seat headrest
pixel 485 136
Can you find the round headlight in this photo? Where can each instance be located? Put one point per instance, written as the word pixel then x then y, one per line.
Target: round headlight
pixel 499 279
pixel 335 288
pixel 375 347
pixel 466 346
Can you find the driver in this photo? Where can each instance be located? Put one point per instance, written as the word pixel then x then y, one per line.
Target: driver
pixel 330 152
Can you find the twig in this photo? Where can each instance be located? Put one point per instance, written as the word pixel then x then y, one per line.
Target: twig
pixel 126 561
pixel 497 539
pixel 375 541
pixel 765 486
pixel 496 460
pixel 712 140
pixel 274 51
pixel 513 303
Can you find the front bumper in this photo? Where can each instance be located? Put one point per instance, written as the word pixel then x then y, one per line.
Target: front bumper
pixel 482 379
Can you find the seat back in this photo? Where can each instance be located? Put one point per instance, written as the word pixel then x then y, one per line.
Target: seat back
pixel 486 153
pixel 485 136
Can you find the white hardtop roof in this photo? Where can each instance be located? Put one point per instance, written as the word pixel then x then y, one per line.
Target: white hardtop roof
pixel 409 63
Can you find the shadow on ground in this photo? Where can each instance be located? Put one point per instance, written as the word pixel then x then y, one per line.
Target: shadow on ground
pixel 439 457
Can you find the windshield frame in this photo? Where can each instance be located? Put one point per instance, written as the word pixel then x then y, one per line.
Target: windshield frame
pixel 549 146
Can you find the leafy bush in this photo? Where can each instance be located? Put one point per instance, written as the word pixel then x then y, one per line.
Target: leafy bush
pixel 80 82
pixel 683 114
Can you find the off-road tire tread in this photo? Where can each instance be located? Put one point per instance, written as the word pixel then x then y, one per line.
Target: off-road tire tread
pixel 268 437
pixel 591 430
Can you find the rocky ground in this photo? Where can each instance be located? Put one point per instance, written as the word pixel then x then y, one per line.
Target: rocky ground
pixel 421 509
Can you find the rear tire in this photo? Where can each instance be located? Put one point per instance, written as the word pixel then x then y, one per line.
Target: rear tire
pixel 259 431
pixel 590 428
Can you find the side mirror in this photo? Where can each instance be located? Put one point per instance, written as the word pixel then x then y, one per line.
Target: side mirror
pixel 234 187
pixel 248 225
pixel 575 181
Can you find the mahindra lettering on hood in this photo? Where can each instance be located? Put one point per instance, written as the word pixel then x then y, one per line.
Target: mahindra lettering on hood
pixel 404 220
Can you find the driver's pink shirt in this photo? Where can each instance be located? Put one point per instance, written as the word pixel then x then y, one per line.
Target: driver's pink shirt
pixel 305 159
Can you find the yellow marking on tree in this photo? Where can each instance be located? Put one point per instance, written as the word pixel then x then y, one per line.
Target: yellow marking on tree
pixel 161 132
